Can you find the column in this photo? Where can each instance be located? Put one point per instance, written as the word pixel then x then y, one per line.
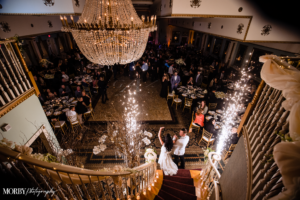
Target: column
pixel 36 49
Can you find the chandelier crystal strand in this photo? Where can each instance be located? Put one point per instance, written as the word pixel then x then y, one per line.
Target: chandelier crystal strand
pixel 110 32
pixel 234 106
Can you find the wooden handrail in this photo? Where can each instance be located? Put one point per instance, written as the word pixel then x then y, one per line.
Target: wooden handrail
pixel 250 107
pixel 8 154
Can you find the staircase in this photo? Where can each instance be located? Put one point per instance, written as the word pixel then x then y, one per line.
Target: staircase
pixel 180 186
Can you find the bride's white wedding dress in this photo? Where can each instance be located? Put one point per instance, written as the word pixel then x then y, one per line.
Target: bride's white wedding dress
pixel 166 163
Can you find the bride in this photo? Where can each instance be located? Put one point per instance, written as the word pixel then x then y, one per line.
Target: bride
pixel 165 157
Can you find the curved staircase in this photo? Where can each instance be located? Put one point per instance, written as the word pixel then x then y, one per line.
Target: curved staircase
pixel 180 186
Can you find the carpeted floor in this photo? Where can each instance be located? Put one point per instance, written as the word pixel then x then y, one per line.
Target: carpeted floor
pixel 177 187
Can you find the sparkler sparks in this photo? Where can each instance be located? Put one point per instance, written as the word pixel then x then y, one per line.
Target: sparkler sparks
pixel 235 104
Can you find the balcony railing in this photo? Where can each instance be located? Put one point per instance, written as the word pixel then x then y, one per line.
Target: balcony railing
pixel 16 81
pixel 70 182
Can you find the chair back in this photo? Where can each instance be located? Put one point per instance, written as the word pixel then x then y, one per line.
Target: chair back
pixel 175 96
pixel 72 119
pixel 189 102
pixel 193 116
pixel 212 106
pixel 207 134
pixel 203 85
pixel 53 122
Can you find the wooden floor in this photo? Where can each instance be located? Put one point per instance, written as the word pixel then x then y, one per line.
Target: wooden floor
pixel 152 107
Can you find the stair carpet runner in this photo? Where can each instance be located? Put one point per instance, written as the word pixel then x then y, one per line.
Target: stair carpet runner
pixel 177 187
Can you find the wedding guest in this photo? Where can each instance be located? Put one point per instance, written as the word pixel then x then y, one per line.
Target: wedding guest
pixel 64 91
pixel 102 89
pixel 64 75
pixel 190 82
pixel 214 84
pixel 198 79
pixel 84 83
pixel 86 99
pixel 165 85
pixel 51 95
pixel 80 109
pixel 72 114
pixel 175 80
pixel 210 127
pixel 170 70
pixel 144 71
pixel 203 106
pixel 199 118
pixel 78 92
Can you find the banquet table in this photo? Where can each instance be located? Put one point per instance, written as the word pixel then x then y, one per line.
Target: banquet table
pixel 57 107
pixel 195 93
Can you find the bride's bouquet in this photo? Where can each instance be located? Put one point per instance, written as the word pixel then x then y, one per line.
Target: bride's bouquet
pixel 150 155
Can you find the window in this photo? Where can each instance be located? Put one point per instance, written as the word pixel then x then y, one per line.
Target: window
pixel 240 55
pixel 226 49
pixel 217 46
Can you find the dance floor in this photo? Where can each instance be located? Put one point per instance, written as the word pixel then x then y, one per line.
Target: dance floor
pixel 152 107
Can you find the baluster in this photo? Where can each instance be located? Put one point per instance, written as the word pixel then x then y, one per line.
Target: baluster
pixel 12 95
pixel 7 99
pixel 68 189
pixel 115 186
pixel 15 65
pixel 77 193
pixel 126 186
pixel 56 185
pixel 258 115
pixel 109 191
pixel 87 195
pixel 101 188
pixel 262 118
pixel 93 188
pixel 2 102
pixel 261 102
pixel 13 73
pixel 19 66
pixel 259 186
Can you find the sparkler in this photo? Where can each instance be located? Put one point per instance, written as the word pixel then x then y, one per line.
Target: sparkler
pixel 235 103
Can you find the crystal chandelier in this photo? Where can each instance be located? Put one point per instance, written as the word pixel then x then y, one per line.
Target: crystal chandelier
pixel 110 31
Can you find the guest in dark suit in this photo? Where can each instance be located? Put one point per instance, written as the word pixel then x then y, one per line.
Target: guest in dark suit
pixel 102 88
pixel 175 80
pixel 210 127
pixel 198 79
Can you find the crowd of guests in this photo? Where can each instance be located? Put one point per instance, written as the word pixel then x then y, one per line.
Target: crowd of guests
pixel 173 66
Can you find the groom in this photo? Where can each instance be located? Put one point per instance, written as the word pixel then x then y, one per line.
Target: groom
pixel 179 145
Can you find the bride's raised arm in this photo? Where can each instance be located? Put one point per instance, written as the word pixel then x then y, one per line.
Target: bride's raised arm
pixel 159 135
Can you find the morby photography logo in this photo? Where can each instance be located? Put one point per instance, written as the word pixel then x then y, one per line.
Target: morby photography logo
pixel 27 191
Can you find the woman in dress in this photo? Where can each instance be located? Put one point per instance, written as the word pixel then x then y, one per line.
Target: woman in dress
pixel 190 82
pixel 199 120
pixel 165 158
pixel 164 88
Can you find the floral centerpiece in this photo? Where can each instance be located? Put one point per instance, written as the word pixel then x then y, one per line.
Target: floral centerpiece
pixel 220 95
pixel 150 155
pixel 180 61
pixel 206 152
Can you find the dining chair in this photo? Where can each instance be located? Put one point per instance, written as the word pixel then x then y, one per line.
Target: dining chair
pixel 170 95
pixel 177 101
pixel 212 106
pixel 188 104
pixel 193 125
pixel 203 85
pixel 74 122
pixel 206 138
pixel 88 90
pixel 61 125
pixel 90 112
